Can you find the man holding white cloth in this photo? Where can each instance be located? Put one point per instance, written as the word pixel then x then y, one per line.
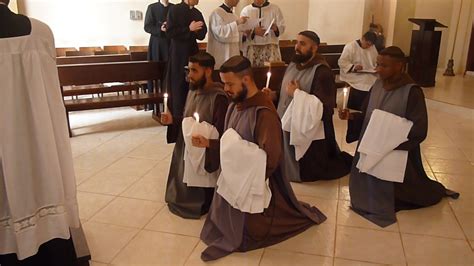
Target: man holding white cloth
pixel 194 170
pixel 376 193
pixel 306 106
pixel 235 224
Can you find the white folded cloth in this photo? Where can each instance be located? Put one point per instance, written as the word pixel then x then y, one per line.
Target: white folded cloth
pixel 194 158
pixel 383 134
pixel 242 179
pixel 303 120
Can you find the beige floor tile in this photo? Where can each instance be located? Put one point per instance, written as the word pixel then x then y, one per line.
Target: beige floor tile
pixel 156 149
pixel 130 167
pixel 91 203
pixel 83 174
pixel 167 222
pixel 443 153
pixel 320 189
pixel 344 262
pixel 466 220
pixel 344 189
pixel 428 250
pixel 468 150
pixel 317 240
pixel 110 184
pixel 94 263
pixel 147 189
pixel 451 167
pixel 105 241
pixel 154 248
pixel 326 206
pixel 369 245
pixel 436 220
pixel 463 185
pixel 348 217
pixel 160 170
pixel 128 212
pixel 93 161
pixel 285 258
pixel 251 258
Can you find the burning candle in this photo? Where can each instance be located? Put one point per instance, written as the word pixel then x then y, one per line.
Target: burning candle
pixel 344 100
pixel 166 103
pixel 269 75
pixel 196 116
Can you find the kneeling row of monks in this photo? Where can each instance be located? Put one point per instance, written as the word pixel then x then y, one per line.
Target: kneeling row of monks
pixel 235 153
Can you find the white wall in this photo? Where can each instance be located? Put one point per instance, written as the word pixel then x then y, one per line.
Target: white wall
pixel 106 22
pixel 336 21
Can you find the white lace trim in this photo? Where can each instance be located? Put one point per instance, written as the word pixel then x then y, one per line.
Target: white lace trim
pixel 32 220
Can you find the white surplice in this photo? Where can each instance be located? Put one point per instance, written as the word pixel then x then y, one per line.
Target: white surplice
pixel 37 182
pixel 269 13
pixel 378 158
pixel 224 38
pixel 303 119
pixel 242 179
pixel 353 55
pixel 195 175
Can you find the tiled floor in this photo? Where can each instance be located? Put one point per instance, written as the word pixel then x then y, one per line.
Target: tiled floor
pixel 122 161
pixel 457 90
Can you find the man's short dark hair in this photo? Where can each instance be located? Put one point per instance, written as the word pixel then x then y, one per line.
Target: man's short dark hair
pixel 239 65
pixel 395 53
pixel 204 59
pixel 311 35
pixel 370 37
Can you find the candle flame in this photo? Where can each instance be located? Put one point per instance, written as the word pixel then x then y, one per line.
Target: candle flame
pixel 166 95
pixel 345 90
pixel 196 116
pixel 269 74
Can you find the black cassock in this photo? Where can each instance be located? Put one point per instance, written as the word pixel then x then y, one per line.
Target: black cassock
pixel 158 47
pixel 183 45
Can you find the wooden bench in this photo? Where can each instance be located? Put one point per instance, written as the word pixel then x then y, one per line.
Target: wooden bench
pixel 90 59
pixel 127 72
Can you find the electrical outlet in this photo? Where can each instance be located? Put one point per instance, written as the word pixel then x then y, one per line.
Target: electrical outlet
pixel 132 14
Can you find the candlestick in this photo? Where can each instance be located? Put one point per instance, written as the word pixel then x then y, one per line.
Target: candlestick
pixel 196 116
pixel 344 100
pixel 269 75
pixel 166 103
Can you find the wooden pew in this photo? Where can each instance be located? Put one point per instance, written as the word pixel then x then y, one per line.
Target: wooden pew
pixel 118 49
pixel 127 72
pixel 138 48
pixel 133 56
pixel 78 53
pixel 62 51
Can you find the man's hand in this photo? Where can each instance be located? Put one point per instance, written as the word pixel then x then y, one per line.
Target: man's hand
pixel 291 87
pixel 196 25
pixel 166 119
pixel 358 67
pixel 345 114
pixel 163 26
pixel 200 141
pixel 242 20
pixel 274 27
pixel 259 31
pixel 269 93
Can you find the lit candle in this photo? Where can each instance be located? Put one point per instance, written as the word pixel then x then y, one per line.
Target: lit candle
pixel 344 100
pixel 269 75
pixel 196 116
pixel 166 103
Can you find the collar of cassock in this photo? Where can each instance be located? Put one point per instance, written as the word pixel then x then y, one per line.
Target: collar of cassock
pixel 226 8
pixel 259 99
pixel 264 5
